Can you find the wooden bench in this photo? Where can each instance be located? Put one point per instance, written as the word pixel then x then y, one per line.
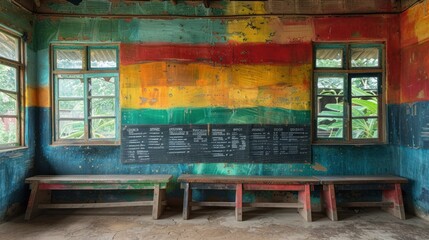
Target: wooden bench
pixel 41 187
pixel 389 185
pixel 303 185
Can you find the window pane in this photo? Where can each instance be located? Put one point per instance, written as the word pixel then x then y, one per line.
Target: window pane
pixel 8 77
pixel 69 58
pixel 330 86
pixel 8 130
pixel 329 58
pixel 365 57
pixel 330 106
pixel 365 128
pixel 70 87
pixel 8 104
pixel 364 107
pixel 103 58
pixel 103 128
pixel 102 86
pixel 329 127
pixel 364 86
pixel 71 129
pixel 71 109
pixel 102 107
pixel 9 47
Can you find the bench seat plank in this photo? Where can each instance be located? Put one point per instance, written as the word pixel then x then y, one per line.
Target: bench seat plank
pixel 228 179
pixel 360 179
pixel 72 179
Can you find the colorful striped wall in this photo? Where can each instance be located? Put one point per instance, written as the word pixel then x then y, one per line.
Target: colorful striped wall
pixel 414 105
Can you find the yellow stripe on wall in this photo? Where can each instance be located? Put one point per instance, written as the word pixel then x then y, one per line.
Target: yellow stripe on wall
pixel 204 85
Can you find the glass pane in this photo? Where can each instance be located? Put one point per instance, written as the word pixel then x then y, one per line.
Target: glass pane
pixel 8 130
pixel 329 127
pixel 102 86
pixel 364 86
pixel 330 86
pixel 9 47
pixel 8 104
pixel 102 107
pixel 71 109
pixel 365 128
pixel 329 58
pixel 103 128
pixel 365 57
pixel 69 58
pixel 364 107
pixel 8 77
pixel 103 58
pixel 71 129
pixel 330 106
pixel 70 87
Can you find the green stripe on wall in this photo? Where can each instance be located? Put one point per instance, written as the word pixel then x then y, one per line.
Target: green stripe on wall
pixel 257 115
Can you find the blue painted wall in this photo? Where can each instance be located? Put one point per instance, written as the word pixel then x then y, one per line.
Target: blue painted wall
pixel 16 165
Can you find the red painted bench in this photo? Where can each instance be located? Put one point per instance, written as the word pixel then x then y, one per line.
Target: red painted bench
pixel 41 187
pixel 389 185
pixel 303 185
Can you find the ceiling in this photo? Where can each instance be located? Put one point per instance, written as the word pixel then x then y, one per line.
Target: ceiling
pixel 272 7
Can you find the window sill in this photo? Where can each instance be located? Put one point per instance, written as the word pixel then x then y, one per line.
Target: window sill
pixel 13 149
pixel 357 144
pixel 85 144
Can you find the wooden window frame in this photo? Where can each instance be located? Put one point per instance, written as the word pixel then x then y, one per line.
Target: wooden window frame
pixel 19 65
pixel 348 72
pixel 86 73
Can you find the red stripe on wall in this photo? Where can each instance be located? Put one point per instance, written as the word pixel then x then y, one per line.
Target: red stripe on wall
pixel 415 73
pixel 226 54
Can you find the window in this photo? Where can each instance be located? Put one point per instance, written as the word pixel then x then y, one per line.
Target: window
pixel 11 75
pixel 85 94
pixel 348 96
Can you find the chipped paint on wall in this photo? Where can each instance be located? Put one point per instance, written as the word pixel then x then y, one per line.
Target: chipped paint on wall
pixel 415 24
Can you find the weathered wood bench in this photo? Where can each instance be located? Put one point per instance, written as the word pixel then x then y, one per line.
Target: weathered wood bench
pixel 389 185
pixel 41 187
pixel 303 185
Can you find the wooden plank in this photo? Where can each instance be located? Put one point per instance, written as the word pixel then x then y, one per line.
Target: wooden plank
pixel 210 186
pixel 364 186
pixel 395 197
pixel 71 179
pixel 37 197
pixel 360 179
pixel 274 187
pixel 213 204
pixel 157 205
pixel 330 202
pixel 95 205
pixel 365 204
pixel 225 179
pixel 239 202
pixel 187 199
pixel 99 186
pixel 274 205
pixel 304 198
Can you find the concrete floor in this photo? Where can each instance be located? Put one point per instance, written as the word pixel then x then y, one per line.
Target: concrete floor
pixel 210 223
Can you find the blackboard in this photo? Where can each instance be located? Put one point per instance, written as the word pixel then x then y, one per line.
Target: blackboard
pixel 230 143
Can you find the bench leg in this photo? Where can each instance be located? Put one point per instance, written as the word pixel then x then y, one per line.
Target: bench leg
pixel 36 196
pixel 304 198
pixel 157 202
pixel 239 202
pixel 395 196
pixel 187 199
pixel 330 201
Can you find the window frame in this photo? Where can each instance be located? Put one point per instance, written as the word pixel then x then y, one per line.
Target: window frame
pixel 86 74
pixel 19 65
pixel 349 72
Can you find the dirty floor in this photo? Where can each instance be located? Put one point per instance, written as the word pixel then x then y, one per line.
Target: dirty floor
pixel 210 223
